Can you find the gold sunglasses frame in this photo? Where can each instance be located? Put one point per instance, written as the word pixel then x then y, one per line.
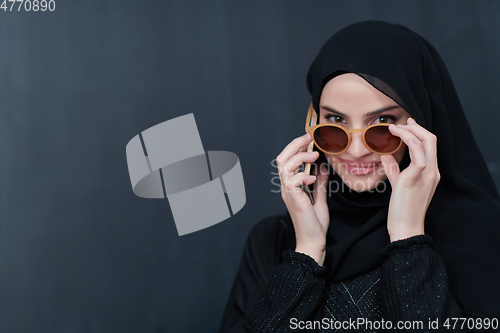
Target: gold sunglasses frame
pixel 310 128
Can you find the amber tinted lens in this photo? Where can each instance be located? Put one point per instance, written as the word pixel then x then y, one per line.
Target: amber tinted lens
pixel 330 138
pixel 380 139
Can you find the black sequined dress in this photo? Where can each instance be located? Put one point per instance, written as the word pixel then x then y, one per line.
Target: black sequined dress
pixel 291 291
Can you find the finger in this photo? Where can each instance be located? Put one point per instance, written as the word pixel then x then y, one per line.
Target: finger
pixel 428 139
pixel 293 185
pixel 391 168
pixel 418 161
pixel 293 148
pixel 296 161
pixel 421 133
pixel 303 149
pixel 403 133
pixel 406 135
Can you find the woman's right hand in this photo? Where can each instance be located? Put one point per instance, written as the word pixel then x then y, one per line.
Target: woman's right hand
pixel 310 221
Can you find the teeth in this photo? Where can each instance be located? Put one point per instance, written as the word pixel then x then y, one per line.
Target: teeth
pixel 364 166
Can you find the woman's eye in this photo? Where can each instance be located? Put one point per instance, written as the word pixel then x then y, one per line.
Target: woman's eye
pixel 385 120
pixel 335 119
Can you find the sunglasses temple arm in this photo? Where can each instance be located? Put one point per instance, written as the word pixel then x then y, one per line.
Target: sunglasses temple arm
pixel 307 167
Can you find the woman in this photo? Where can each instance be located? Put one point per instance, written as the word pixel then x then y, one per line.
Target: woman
pixel 408 237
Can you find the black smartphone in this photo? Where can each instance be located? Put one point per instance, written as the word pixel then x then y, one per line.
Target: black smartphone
pixel 308 189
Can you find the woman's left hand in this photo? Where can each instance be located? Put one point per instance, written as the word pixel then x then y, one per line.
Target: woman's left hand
pixel 414 187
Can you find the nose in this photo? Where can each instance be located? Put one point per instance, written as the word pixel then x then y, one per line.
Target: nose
pixel 357 149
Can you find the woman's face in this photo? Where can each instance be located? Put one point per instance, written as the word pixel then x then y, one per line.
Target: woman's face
pixel 349 101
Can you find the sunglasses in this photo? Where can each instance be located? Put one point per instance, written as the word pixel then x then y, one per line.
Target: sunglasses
pixel 336 139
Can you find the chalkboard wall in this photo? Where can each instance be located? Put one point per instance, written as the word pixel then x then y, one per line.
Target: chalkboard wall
pixel 79 252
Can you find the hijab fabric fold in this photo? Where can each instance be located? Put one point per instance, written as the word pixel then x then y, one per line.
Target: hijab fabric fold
pixel 464 215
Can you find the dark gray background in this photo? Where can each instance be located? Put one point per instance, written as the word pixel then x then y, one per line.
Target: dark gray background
pixel 78 251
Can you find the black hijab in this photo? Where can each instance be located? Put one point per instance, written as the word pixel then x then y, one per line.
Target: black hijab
pixel 464 215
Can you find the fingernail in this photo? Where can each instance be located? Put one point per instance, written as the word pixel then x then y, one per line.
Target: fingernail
pixel 400 125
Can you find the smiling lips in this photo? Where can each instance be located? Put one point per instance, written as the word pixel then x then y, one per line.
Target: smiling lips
pixel 360 168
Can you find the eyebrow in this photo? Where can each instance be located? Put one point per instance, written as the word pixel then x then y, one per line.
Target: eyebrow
pixel 372 113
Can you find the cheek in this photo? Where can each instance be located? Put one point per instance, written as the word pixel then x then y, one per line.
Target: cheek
pixel 332 159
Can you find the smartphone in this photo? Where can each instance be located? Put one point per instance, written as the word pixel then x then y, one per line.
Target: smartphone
pixel 307 167
pixel 308 189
